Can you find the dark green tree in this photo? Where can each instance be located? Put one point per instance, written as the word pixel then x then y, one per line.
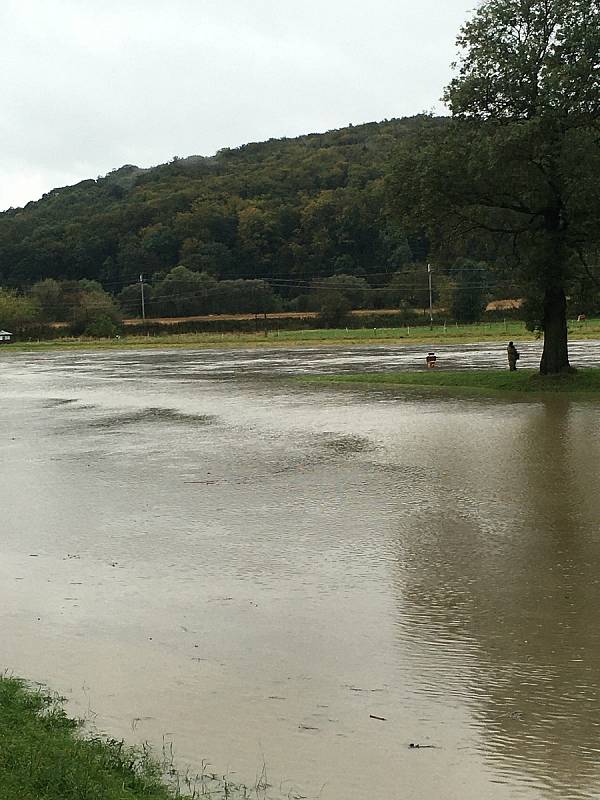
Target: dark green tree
pixel 130 300
pixel 243 297
pixel 96 313
pixel 214 257
pixel 409 288
pixel 16 311
pixel 520 163
pixel 48 296
pixel 183 293
pixel 467 293
pixel 334 310
pixel 354 289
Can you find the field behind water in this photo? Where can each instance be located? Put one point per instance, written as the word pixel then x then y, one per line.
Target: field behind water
pixel 434 335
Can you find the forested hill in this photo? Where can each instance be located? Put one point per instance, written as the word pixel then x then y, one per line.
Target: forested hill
pixel 286 210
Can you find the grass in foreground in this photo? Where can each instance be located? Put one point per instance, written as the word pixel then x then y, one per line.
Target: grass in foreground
pixel 43 756
pixel 585 381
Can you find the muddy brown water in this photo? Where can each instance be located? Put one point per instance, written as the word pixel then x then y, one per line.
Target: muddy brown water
pixel 193 547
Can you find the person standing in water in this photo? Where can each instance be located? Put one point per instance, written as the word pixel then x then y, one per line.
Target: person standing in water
pixel 430 360
pixel 513 356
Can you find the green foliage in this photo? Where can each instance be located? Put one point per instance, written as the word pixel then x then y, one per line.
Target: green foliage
pixel 290 210
pixel 130 299
pixel 243 296
pixel 84 304
pixel 96 314
pixel 526 59
pixel 409 288
pixel 334 308
pixel 466 292
pixel 42 756
pixel 183 292
pixel 101 327
pixel 16 311
pixel 214 257
pixel 48 296
pixel 356 290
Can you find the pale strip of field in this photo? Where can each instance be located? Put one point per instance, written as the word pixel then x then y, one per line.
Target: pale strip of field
pixel 269 316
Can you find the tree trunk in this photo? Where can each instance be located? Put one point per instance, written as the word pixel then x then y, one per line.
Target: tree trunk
pixel 555 358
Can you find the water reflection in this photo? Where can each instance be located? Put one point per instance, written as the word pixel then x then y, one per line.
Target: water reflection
pixel 500 605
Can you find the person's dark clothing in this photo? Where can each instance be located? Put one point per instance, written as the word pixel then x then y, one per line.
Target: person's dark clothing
pixel 513 356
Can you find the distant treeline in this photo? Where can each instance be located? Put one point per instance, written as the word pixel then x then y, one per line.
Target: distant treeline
pixel 87 308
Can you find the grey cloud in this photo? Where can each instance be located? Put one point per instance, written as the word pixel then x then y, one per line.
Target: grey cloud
pixel 90 85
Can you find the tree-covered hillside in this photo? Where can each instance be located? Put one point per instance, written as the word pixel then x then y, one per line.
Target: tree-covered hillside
pixel 288 210
pixel 289 224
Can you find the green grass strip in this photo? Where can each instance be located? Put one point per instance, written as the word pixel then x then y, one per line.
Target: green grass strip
pixel 585 381
pixel 411 335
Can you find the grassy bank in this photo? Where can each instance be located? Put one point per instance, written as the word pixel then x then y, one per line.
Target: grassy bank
pixel 583 382
pixel 411 335
pixel 435 336
pixel 43 756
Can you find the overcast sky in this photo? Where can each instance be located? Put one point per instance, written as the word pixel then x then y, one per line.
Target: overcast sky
pixel 89 85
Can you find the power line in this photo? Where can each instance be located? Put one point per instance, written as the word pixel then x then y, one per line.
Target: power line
pixel 193 296
pixel 274 277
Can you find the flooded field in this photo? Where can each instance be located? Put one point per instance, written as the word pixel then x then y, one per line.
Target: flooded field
pixel 195 548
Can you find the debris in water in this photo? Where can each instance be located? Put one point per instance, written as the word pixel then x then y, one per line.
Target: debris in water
pixel 374 716
pixel 518 715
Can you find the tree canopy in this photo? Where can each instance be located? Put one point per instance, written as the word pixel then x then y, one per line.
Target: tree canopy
pixel 287 210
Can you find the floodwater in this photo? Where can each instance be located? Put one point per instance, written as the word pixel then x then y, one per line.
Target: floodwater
pixel 197 548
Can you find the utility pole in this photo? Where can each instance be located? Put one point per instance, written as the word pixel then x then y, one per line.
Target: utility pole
pixel 430 297
pixel 142 296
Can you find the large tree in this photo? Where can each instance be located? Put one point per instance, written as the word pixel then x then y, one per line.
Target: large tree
pixel 520 161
